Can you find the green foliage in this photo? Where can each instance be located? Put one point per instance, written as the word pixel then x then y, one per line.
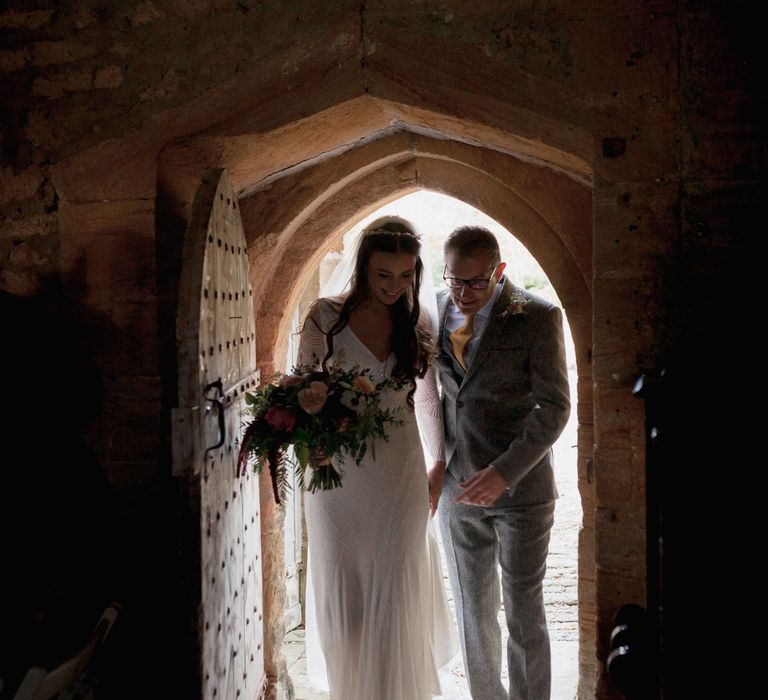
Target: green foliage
pixel 535 282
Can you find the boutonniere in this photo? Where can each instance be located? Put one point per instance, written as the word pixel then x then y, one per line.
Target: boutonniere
pixel 516 305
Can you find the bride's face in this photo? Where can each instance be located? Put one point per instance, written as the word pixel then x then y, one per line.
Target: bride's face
pixel 390 275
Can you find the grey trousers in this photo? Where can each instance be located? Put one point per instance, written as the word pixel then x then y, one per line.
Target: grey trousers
pixel 476 540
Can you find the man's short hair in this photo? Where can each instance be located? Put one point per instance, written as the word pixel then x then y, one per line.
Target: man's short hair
pixel 467 241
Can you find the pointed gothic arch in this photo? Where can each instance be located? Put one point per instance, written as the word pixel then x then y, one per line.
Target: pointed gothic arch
pixel 291 229
pixel 302 185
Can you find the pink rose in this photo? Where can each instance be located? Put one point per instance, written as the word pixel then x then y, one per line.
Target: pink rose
pixel 313 398
pixel 280 418
pixel 290 380
pixel 363 385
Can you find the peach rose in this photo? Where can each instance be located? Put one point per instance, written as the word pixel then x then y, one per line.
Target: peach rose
pixel 313 398
pixel 363 385
pixel 290 380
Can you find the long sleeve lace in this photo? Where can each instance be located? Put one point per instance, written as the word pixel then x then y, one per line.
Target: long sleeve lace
pixel 429 414
pixel 312 341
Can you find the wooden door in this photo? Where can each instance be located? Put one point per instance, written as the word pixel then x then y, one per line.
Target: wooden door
pixel 221 544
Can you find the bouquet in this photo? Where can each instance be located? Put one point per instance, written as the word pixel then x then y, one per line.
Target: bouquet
pixel 322 414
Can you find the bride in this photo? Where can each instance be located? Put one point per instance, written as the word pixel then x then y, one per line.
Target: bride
pixel 375 583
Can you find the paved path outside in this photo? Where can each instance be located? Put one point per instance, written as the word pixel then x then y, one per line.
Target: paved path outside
pixel 560 592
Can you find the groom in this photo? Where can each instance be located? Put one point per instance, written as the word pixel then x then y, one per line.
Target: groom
pixel 505 391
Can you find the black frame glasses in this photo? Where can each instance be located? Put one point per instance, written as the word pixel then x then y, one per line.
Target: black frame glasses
pixel 475 283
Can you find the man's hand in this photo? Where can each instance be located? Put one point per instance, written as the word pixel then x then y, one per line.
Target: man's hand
pixel 435 477
pixel 483 489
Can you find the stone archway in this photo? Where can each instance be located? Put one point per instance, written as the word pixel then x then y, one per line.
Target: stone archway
pixel 296 199
pixel 453 169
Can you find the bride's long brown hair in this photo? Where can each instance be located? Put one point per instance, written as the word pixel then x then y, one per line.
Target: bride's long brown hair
pixel 411 340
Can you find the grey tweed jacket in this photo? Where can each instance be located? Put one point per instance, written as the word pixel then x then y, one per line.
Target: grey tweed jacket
pixel 513 401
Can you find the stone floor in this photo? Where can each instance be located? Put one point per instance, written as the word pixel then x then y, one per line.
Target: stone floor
pixel 560 594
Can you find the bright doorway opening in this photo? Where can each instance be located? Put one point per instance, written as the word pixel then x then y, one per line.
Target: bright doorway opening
pixel 435 215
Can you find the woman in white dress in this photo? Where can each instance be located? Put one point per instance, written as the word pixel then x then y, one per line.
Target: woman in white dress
pixel 379 604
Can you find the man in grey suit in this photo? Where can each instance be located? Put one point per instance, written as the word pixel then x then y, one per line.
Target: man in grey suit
pixel 502 370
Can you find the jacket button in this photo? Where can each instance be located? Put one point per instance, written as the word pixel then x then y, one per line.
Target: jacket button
pixel 460 404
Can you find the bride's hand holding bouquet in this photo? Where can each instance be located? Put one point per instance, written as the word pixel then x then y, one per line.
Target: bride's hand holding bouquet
pixel 322 414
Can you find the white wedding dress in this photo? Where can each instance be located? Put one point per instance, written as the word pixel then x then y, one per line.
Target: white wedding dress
pixel 375 600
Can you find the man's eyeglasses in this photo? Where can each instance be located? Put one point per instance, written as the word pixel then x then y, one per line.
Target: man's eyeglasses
pixel 475 283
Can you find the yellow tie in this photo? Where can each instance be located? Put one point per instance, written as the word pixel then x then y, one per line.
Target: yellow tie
pixel 460 337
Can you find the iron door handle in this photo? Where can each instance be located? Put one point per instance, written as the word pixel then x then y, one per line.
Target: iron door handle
pixel 216 402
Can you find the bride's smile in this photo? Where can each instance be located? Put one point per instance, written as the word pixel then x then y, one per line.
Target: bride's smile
pixel 390 275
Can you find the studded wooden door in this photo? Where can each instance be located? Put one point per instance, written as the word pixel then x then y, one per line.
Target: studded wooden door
pixel 217 364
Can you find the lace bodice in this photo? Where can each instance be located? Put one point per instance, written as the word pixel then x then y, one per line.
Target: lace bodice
pixel 427 405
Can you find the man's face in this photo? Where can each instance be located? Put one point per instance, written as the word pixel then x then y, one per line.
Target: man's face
pixel 476 267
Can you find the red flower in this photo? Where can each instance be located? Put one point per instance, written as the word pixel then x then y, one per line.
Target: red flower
pixel 280 418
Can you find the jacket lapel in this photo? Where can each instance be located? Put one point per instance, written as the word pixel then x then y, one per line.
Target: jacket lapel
pixel 442 312
pixel 445 357
pixel 496 322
